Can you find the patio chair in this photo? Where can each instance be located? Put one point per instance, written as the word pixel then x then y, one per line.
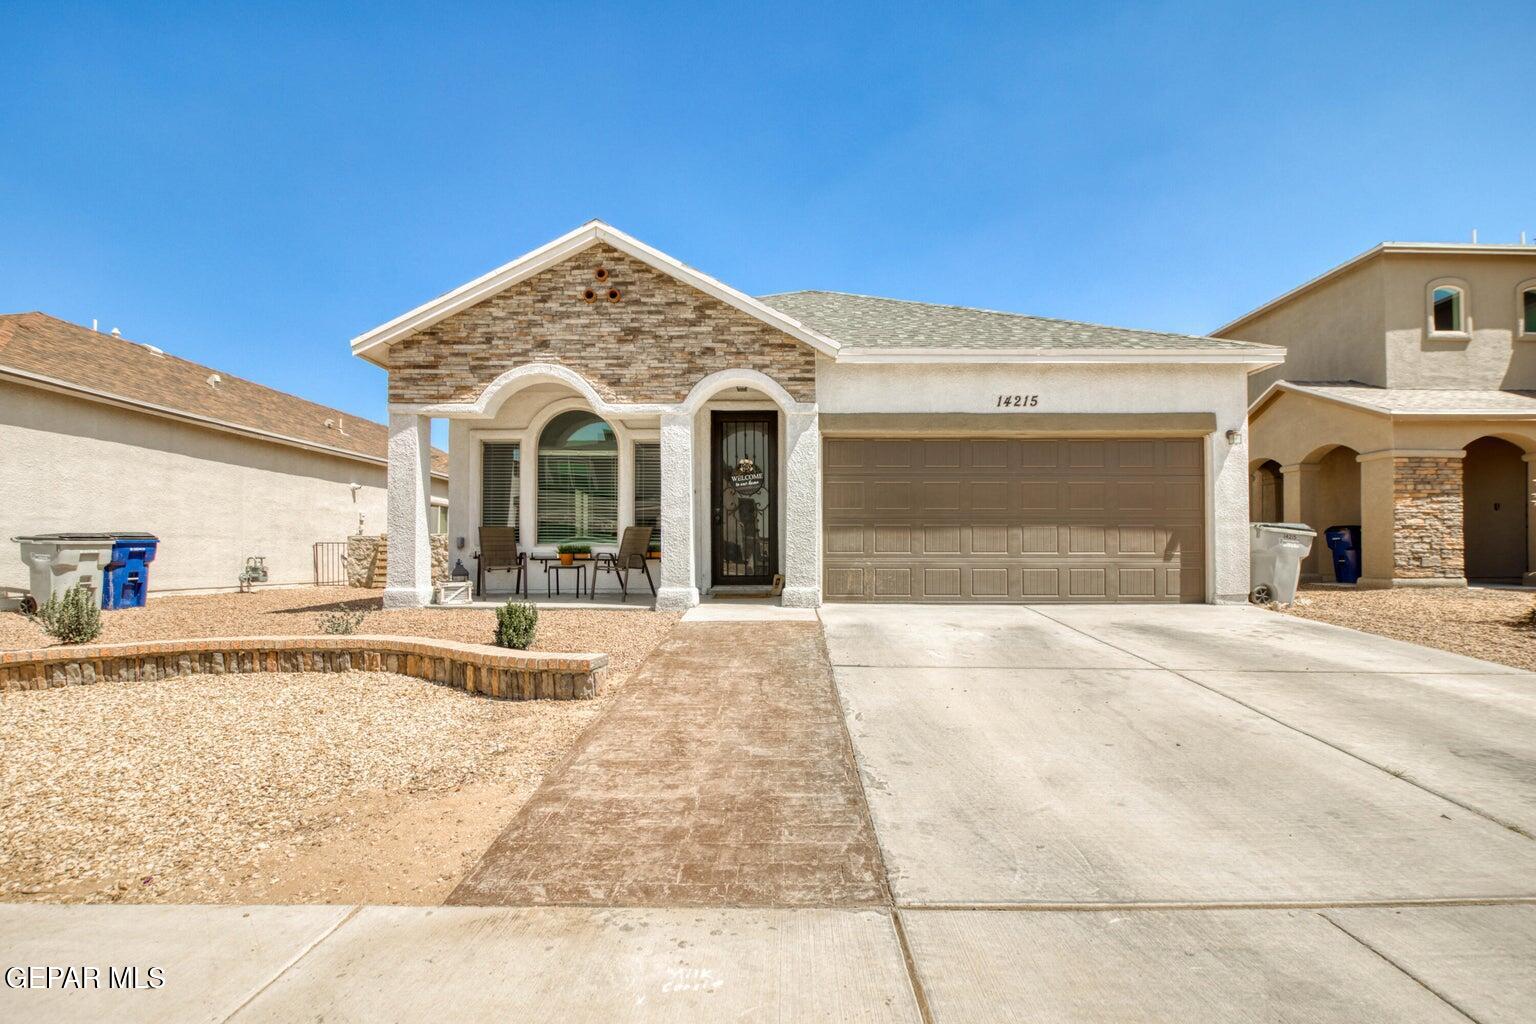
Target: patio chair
pixel 631 555
pixel 498 553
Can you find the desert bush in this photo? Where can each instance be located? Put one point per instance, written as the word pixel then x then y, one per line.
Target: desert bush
pixel 73 619
pixel 342 622
pixel 516 622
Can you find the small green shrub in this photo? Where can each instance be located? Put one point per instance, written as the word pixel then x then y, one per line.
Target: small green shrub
pixel 574 549
pixel 516 622
pixel 342 622
pixel 74 619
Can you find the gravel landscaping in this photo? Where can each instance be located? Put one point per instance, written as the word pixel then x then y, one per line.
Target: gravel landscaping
pixel 355 787
pixel 1494 625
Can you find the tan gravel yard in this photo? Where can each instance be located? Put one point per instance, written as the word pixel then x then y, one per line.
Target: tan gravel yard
pixel 357 787
pixel 1494 625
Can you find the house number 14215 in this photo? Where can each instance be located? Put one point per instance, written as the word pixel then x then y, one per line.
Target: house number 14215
pixel 1017 401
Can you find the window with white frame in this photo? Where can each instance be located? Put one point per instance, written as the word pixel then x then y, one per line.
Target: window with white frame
pixel 439 518
pixel 500 477
pixel 648 489
pixel 578 482
pixel 1447 309
pixel 1525 309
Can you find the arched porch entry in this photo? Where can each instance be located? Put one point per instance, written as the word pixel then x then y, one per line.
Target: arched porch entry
pixel 1266 493
pixel 1329 481
pixel 1495 510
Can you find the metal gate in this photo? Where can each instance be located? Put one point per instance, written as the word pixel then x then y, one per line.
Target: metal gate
pixel 331 563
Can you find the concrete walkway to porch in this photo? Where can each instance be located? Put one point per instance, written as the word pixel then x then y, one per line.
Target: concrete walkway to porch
pixel 723 777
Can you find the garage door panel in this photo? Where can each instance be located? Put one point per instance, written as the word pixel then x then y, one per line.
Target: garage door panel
pixel 989 519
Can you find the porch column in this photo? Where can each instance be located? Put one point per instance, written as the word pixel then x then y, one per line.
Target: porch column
pixel 1298 484
pixel 1530 520
pixel 409 574
pixel 679 586
pixel 1411 519
pixel 802 510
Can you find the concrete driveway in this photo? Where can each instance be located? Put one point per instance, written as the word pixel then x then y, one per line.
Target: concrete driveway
pixel 1084 815
pixel 1159 797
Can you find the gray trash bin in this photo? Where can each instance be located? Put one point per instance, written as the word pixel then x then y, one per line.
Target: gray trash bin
pixel 60 562
pixel 1275 551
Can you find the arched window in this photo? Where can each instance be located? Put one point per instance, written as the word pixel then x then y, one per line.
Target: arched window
pixel 1447 308
pixel 1525 310
pixel 578 481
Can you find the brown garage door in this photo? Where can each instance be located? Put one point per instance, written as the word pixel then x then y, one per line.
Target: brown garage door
pixel 1005 519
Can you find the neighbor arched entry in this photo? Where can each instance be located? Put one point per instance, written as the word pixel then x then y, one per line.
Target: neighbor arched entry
pixel 1494 509
pixel 1266 496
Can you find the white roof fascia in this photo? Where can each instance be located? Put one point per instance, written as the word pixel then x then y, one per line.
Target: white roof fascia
pixel 546 256
pixel 1260 359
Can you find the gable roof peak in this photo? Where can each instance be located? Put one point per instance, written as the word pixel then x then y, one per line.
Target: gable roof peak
pixel 558 250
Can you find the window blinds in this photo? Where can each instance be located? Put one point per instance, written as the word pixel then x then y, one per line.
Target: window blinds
pixel 579 498
pixel 648 488
pixel 499 482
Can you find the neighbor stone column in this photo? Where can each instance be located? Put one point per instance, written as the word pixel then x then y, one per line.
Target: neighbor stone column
pixel 802 510
pixel 1425 524
pixel 1298 483
pixel 408 582
pixel 679 585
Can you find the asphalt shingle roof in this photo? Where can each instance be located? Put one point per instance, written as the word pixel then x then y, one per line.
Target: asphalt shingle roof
pixel 1407 401
pixel 863 321
pixel 40 344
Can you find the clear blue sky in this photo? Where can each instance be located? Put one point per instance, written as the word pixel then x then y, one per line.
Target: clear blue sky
pixel 251 185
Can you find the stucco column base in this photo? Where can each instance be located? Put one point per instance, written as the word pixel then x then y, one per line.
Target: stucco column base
pixel 1230 599
pixel 676 599
pixel 801 597
pixel 1377 583
pixel 408 572
pixel 1529 579
pixel 407 597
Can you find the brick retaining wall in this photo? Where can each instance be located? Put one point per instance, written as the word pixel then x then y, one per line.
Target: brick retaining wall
pixel 492 671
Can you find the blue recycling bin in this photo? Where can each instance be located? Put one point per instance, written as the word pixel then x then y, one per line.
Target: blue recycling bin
pixel 1344 542
pixel 125 579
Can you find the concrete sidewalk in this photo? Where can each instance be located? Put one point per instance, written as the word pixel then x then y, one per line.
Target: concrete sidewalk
pixel 1436 965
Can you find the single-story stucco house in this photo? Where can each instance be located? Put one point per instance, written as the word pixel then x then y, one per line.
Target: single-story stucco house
pixel 98 433
pixel 862 449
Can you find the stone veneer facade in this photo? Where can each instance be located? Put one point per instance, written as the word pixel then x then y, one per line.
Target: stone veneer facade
pixel 490 671
pixel 1427 518
pixel 652 345
pixel 365 569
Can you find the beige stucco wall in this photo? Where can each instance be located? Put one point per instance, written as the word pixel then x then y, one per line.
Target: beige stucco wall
pixel 1370 324
pixel 213 498
pixel 1333 332
pixel 1492 357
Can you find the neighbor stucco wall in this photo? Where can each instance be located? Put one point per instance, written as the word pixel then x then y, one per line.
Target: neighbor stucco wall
pixel 1491 356
pixel 213 498
pixel 1082 388
pixel 1333 332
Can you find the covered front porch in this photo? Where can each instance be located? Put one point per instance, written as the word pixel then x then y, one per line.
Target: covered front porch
pixel 727 481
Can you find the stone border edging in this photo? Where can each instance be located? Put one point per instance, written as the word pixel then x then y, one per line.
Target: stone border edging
pixel 475 668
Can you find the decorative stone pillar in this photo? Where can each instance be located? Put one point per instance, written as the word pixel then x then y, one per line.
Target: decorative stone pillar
pixel 802 510
pixel 408 582
pixel 679 585
pixel 1425 524
pixel 1299 499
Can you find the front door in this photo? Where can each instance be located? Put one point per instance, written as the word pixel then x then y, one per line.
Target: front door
pixel 743 506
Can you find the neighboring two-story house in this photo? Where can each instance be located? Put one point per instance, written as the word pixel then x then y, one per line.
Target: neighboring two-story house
pixel 1406 404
